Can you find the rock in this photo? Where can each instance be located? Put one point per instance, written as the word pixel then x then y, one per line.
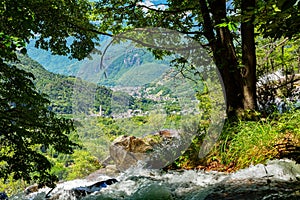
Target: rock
pixel 3 196
pixel 83 191
pixel 133 144
pixel 165 133
pixel 126 151
pixel 109 170
pixel 31 189
pixel 107 161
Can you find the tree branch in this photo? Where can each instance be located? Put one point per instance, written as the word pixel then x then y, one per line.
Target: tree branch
pixel 208 28
pixel 166 11
pixel 274 47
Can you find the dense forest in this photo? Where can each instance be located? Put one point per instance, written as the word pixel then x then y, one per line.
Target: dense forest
pixel 254 45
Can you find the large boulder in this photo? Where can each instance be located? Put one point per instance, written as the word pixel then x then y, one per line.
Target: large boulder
pixel 126 151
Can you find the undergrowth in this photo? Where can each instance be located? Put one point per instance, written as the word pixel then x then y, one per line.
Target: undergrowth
pixel 246 143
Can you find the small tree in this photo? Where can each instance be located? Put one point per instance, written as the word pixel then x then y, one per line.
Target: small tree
pixel 26 125
pixel 25 120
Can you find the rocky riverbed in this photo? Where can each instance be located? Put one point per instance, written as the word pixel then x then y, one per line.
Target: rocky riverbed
pixel 278 179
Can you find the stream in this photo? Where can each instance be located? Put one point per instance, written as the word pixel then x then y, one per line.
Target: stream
pixel 278 179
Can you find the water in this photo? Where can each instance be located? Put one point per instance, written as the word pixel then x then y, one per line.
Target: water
pixel 278 179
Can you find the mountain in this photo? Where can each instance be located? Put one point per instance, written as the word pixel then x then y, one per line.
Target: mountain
pixel 73 95
pixel 67 94
pixel 119 65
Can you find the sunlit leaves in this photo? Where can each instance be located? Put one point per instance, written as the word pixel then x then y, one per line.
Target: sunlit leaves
pixel 232 26
pixel 51 22
pixel 280 18
pixel 8 45
pixel 25 122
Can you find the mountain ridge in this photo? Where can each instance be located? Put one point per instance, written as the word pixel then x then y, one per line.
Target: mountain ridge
pixel 110 69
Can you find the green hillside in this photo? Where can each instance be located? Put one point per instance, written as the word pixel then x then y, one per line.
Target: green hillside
pixel 118 67
pixel 67 94
pixel 141 74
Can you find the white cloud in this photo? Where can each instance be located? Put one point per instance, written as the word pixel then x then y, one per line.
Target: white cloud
pixel 150 4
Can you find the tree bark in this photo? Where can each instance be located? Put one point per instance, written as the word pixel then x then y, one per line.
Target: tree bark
pixel 239 82
pixel 224 54
pixel 248 55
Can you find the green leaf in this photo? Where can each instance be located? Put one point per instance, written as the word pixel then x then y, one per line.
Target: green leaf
pixel 232 26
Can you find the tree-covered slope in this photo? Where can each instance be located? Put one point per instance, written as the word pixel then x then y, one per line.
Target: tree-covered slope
pixel 59 88
pixel 67 94
pixel 53 63
pixel 118 65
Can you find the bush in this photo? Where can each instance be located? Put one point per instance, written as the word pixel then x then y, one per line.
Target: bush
pixel 11 186
pixel 84 164
pixel 246 143
pixel 252 142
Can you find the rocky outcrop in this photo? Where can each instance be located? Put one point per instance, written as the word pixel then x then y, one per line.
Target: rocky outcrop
pixel 108 170
pixel 31 189
pixel 83 191
pixel 3 196
pixel 126 151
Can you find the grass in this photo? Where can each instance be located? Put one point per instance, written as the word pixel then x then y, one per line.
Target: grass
pixel 246 143
pixel 240 145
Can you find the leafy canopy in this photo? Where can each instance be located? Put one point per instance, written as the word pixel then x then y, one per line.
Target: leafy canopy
pixel 280 18
pixel 51 22
pixel 26 123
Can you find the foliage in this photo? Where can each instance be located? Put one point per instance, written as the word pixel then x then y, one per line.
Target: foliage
pixel 96 134
pixel 103 98
pixel 248 142
pixel 51 23
pixel 11 186
pixel 59 89
pixel 279 18
pixel 281 54
pixel 277 69
pixel 77 165
pixel 26 123
pixel 62 90
pixel 84 164
pixel 189 158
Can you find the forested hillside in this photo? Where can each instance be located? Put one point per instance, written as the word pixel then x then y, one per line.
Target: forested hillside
pixel 63 90
pixel 59 88
pixel 117 66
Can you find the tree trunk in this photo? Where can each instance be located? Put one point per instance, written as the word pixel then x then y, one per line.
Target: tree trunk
pixel 227 64
pixel 248 55
pixel 226 60
pixel 240 83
